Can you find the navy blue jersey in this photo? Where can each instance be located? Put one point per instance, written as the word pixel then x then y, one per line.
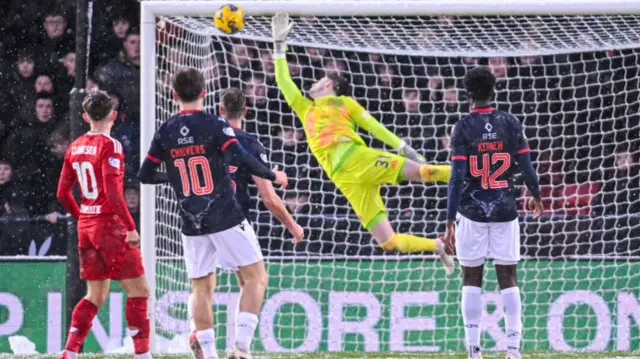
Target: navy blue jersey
pixel 191 143
pixel 239 174
pixel 490 141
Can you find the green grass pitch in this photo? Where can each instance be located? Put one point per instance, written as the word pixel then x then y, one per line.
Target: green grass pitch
pixel 445 355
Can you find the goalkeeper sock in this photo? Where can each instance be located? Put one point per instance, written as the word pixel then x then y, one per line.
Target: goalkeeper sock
pixel 512 317
pixel 246 324
pixel 81 320
pixel 471 312
pixel 207 340
pixel 435 173
pixel 136 314
pixel 407 243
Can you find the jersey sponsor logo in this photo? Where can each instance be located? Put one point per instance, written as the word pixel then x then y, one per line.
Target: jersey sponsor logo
pixel 84 150
pixel 90 209
pixel 114 162
pixel 263 157
pixel 229 132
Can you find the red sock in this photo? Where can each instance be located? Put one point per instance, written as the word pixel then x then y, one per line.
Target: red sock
pixel 81 319
pixel 136 313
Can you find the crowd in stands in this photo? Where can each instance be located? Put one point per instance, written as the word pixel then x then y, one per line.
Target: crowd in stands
pixel 581 111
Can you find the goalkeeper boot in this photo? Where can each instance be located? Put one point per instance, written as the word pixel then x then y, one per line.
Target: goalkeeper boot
pixel 194 344
pixel 447 261
pixel 236 353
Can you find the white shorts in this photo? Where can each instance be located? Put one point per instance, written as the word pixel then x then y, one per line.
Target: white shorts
pixel 476 241
pixel 232 248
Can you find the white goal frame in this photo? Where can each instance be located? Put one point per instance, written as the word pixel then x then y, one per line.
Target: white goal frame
pixel 151 9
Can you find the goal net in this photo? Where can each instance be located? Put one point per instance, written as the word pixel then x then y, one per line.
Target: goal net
pixel 571 79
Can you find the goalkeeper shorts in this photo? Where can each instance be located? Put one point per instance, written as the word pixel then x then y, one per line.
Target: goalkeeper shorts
pixel 360 177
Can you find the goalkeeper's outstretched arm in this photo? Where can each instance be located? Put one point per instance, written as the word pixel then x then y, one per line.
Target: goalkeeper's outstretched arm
pixel 369 123
pixel 281 25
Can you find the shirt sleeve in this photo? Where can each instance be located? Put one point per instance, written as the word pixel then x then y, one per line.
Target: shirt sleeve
pixel 258 151
pixel 364 119
pixel 64 195
pixel 156 152
pixel 112 179
pixel 290 91
pixel 224 134
pixel 458 145
pixel 523 143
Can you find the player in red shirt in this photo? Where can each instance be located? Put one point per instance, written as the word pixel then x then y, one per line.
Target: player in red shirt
pixel 107 238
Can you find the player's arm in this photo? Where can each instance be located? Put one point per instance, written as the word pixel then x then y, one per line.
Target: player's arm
pixel 281 25
pixel 529 175
pixel 228 143
pixel 148 173
pixel 369 123
pixel 270 198
pixel 459 158
pixel 64 195
pixel 274 204
pixel 112 180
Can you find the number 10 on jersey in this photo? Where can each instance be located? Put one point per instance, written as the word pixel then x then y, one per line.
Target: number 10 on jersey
pixel 490 180
pixel 191 173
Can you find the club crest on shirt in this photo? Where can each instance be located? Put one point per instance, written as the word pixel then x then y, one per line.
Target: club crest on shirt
pixel 114 162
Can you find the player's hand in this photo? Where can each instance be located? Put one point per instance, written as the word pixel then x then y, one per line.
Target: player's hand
pixel 52 217
pixel 297 232
pixel 535 205
pixel 450 238
pixel 280 26
pixel 282 179
pixel 133 238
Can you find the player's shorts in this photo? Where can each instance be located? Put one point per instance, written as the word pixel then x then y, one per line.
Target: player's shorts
pixel 229 249
pixel 360 177
pixel 104 254
pixel 476 241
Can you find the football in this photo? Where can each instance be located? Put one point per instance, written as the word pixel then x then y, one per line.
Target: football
pixel 229 19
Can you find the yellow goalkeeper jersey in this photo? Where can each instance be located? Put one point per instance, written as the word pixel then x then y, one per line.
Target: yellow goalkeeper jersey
pixel 330 122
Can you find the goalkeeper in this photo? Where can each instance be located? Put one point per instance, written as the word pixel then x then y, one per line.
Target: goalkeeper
pixel 330 122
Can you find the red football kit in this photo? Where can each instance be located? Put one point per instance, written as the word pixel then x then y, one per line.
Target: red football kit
pixel 96 162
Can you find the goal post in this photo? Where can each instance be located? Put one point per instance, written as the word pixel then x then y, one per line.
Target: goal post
pixel 405 60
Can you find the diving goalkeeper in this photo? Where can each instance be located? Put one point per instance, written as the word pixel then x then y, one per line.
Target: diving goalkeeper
pixel 330 122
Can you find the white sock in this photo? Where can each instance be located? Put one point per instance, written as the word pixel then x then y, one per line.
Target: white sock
pixel 512 306
pixel 71 355
pixel 207 339
pixel 146 355
pixel 246 324
pixel 192 324
pixel 471 313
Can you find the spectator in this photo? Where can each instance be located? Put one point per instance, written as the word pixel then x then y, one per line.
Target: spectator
pixel 13 197
pixel 132 197
pixel 297 203
pixel 256 91
pixel 114 38
pixel 126 129
pixel 66 73
pixel 266 64
pixel 19 87
pixel 57 39
pixel 123 72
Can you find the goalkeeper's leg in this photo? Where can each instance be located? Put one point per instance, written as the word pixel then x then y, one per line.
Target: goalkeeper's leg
pixel 422 172
pixel 408 243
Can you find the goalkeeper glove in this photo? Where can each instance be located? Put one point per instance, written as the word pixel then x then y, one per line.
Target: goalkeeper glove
pixel 280 27
pixel 408 152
